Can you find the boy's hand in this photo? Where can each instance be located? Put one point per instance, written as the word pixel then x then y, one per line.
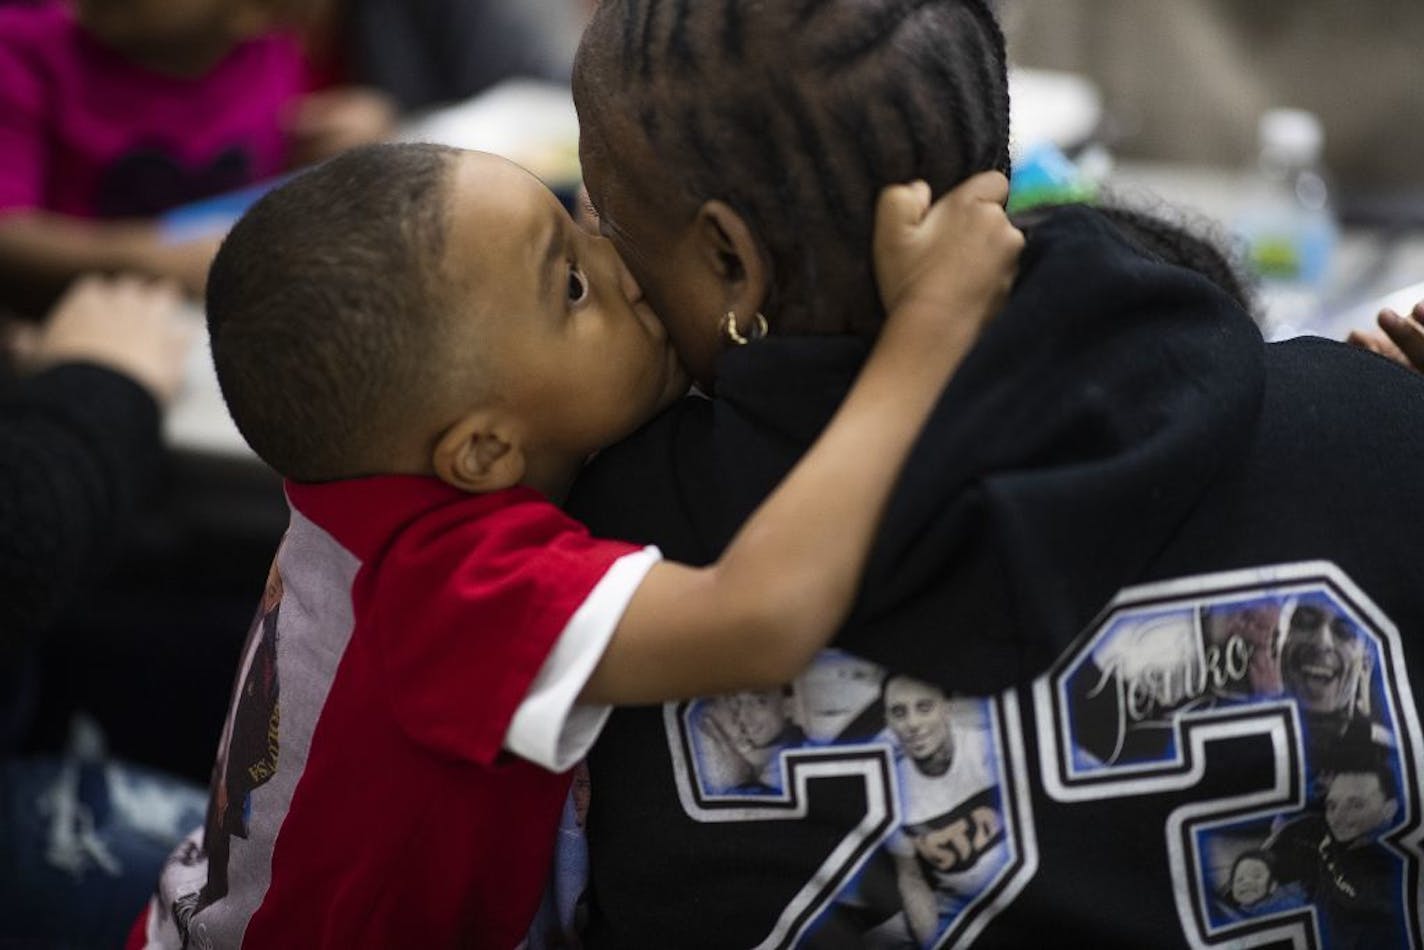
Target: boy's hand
pixel 955 259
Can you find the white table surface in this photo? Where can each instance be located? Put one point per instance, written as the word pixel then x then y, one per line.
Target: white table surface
pixel 198 421
pixel 1369 269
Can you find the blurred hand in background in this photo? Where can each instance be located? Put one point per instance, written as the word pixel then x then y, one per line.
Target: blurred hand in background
pixel 126 324
pixel 1400 338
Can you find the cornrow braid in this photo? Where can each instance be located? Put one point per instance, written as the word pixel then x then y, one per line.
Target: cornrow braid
pixel 847 49
pixel 645 54
pixel 796 113
pixel 679 50
pixel 995 75
pixel 732 37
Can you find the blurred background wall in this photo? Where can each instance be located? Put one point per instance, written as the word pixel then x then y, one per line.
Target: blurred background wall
pixel 1186 80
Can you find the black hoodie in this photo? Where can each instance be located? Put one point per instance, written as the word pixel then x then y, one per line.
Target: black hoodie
pixel 1170 577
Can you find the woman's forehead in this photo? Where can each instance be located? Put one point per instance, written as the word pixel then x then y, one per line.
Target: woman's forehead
pixel 612 150
pixel 628 185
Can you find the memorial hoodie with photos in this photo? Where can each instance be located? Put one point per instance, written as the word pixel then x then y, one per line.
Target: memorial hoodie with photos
pixel 1148 591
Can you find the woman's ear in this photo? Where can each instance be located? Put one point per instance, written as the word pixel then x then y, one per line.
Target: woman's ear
pixel 479 453
pixel 731 252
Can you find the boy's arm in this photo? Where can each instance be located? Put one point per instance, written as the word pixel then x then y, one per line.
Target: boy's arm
pixel 786 582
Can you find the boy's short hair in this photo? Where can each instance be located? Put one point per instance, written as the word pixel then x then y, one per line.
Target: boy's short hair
pixel 321 303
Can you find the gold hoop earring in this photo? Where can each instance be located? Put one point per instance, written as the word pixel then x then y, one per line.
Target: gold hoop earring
pixel 734 336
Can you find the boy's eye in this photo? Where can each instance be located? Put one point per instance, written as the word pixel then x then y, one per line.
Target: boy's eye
pixel 578 286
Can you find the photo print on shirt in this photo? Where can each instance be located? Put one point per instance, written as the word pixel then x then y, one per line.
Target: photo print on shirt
pixel 923 816
pixel 1286 685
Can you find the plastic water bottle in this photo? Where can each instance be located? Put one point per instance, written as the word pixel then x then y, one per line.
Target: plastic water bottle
pixel 1288 221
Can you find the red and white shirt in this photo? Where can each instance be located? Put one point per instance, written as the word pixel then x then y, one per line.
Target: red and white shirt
pixel 390 771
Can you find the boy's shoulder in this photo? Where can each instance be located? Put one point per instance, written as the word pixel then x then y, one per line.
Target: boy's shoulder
pixel 419 533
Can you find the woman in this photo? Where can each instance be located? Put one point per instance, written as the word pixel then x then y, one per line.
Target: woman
pixel 1121 423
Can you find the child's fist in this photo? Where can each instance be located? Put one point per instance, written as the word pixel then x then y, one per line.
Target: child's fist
pixel 956 256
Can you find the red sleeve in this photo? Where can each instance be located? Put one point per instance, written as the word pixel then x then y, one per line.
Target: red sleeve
pixel 137 937
pixel 467 611
pixel 22 130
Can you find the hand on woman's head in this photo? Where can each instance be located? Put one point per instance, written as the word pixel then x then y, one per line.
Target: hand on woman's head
pixel 959 254
pixel 798 135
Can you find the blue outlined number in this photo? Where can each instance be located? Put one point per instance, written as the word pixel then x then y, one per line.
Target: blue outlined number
pixel 1283 689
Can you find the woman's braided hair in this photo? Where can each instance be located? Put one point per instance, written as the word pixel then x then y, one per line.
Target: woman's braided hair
pixel 797 112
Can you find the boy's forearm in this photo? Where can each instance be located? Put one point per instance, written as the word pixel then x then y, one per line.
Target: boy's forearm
pixel 943 270
pixel 756 617
pixel 788 579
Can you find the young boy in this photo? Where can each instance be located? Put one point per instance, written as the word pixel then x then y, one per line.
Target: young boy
pixel 428 348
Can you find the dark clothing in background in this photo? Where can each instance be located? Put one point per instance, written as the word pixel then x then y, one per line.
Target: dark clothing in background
pixel 79 448
pixel 79 451
pixel 434 52
pixel 111 602
pixel 82 837
pixel 1120 423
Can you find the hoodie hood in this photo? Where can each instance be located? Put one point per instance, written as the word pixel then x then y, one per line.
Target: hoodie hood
pixel 1008 518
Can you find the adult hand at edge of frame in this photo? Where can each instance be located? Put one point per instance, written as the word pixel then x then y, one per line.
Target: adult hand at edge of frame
pixel 1401 338
pixel 127 324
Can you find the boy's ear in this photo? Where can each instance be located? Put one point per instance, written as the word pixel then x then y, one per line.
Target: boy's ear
pixel 479 453
pixel 731 252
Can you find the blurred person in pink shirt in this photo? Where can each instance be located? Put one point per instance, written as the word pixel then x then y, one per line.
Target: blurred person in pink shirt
pixel 113 111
